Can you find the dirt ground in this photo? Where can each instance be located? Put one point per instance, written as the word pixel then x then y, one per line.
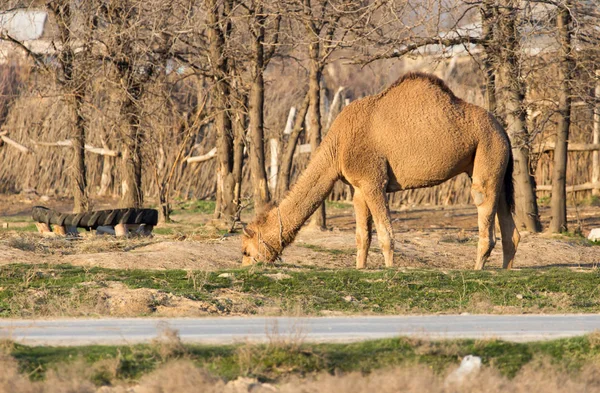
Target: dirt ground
pixel 426 237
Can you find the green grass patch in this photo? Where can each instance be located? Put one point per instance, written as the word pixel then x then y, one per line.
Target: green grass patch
pixel 15 219
pixel 198 206
pixel 20 228
pixel 312 292
pixel 164 231
pixel 280 358
pixel 593 200
pixel 544 201
pixel 332 251
pixel 338 205
pixel 576 238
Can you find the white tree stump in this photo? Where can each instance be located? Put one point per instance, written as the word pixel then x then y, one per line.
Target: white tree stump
pixel 44 229
pixel 59 229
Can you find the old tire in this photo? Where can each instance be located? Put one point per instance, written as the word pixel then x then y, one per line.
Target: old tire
pixel 94 219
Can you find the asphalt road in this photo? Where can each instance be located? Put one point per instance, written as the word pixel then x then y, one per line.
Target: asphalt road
pixel 326 329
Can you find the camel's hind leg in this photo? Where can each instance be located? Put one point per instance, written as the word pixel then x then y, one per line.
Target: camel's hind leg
pixel 485 191
pixel 377 203
pixel 510 234
pixel 364 223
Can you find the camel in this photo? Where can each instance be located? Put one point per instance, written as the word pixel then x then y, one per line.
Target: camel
pixel 414 134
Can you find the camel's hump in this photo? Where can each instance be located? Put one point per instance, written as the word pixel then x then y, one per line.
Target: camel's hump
pixel 422 77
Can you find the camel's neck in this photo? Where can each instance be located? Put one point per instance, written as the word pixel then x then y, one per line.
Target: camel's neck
pixel 313 186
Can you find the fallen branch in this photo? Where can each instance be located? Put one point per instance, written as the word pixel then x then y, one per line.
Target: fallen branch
pixel 102 151
pixel 96 150
pixel 579 187
pixel 549 146
pixel 15 144
pixel 65 143
pixel 204 157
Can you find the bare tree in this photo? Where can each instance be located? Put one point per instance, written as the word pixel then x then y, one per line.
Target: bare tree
pixel 219 27
pixel 262 53
pixel 488 11
pixel 284 174
pixel 72 76
pixel 565 66
pixel 73 82
pixel 321 22
pixel 136 51
pixel 516 114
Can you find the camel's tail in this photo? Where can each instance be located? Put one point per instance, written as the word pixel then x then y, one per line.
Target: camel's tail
pixel 509 188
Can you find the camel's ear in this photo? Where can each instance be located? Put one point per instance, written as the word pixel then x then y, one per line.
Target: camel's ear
pixel 248 232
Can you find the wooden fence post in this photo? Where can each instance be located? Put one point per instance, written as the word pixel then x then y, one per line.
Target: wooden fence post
pixel 596 153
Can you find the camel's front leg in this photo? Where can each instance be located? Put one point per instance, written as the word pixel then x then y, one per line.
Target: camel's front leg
pixel 364 223
pixel 377 202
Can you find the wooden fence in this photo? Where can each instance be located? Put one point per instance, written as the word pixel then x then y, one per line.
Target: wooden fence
pixel 594 147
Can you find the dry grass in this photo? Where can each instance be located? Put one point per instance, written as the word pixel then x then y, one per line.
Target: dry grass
pixel 403 365
pixel 185 376
pixel 112 299
pixel 35 242
pixel 421 379
pixel 44 302
pixel 70 379
pixel 168 344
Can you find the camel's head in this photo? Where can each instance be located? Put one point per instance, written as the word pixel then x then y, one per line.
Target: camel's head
pixel 254 247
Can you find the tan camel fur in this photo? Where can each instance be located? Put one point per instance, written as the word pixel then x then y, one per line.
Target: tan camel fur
pixel 414 134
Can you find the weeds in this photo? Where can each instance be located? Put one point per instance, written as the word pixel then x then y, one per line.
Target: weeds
pixel 35 242
pixel 592 200
pixel 577 237
pixel 23 244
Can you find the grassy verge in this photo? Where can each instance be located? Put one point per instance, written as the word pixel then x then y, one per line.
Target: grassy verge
pixel 19 228
pixel 269 362
pixel 37 290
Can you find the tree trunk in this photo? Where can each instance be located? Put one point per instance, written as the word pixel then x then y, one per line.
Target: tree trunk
pixel 489 47
pixel 260 189
pixel 516 120
pixel 260 186
pixel 238 162
pixel 287 159
pixel 163 202
pixel 314 117
pixel 558 204
pixel 132 195
pixel 78 177
pixel 596 136
pixel 225 206
pixel 239 130
pixel 73 90
pixel 225 184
